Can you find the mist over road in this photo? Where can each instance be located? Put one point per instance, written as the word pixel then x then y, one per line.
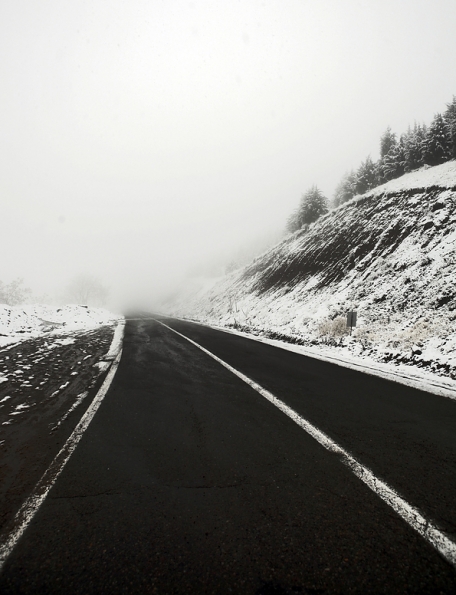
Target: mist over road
pixel 189 481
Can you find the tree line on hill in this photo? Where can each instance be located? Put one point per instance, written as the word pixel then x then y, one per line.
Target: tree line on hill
pixel 420 145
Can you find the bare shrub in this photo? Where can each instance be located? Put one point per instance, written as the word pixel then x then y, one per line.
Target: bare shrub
pixel 421 331
pixel 364 337
pixel 333 328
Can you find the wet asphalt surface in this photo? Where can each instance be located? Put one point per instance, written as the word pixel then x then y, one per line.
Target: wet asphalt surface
pixel 189 481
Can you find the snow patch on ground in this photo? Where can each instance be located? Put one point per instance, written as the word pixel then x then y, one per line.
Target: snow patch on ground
pixel 442 176
pixel 52 366
pixel 18 323
pixel 116 341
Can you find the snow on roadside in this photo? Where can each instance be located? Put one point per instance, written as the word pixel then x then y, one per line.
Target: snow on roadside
pixel 52 370
pixel 116 341
pixel 18 323
pixel 404 374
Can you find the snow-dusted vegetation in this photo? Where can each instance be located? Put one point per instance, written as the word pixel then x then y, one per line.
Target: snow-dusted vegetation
pixel 388 254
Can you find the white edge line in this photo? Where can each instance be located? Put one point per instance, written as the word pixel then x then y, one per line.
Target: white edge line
pixel 411 515
pixel 30 507
pixel 424 384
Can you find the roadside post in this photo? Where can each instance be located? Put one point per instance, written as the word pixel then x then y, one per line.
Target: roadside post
pixel 351 320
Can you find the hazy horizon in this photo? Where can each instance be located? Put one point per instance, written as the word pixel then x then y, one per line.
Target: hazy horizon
pixel 145 140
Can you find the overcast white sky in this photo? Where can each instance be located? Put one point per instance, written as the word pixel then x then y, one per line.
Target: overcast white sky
pixel 139 137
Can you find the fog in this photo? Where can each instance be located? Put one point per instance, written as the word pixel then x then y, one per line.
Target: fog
pixel 147 141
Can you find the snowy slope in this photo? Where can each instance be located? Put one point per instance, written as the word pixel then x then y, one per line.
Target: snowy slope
pixel 388 254
pixel 32 320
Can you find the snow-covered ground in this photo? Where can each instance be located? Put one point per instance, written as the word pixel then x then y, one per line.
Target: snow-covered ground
pixel 390 255
pixel 442 176
pixel 18 323
pixel 52 355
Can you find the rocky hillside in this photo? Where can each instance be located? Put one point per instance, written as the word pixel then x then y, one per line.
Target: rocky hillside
pixel 389 254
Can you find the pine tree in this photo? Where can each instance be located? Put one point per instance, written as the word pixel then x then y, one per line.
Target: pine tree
pixel 393 163
pixel 450 120
pixel 366 176
pixel 345 190
pixel 387 142
pixel 438 143
pixel 414 145
pixel 313 204
pixel 293 222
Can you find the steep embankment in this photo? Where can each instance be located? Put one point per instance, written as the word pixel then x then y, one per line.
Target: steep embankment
pixel 389 254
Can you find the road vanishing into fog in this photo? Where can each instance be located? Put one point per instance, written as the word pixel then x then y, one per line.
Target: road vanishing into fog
pixel 188 480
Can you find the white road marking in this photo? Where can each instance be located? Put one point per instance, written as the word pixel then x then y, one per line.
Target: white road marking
pixel 437 385
pixel 31 505
pixel 411 515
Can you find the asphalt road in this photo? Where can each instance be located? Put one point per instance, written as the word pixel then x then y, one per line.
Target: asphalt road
pixel 189 481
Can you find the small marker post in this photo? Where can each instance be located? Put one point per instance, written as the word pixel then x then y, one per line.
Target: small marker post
pixel 351 320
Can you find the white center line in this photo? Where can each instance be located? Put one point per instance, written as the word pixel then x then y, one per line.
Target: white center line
pixel 411 515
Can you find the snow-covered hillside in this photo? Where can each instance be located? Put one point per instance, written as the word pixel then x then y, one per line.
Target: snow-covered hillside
pixel 388 254
pixel 18 323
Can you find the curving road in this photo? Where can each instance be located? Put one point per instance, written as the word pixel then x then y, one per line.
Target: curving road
pixel 188 480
